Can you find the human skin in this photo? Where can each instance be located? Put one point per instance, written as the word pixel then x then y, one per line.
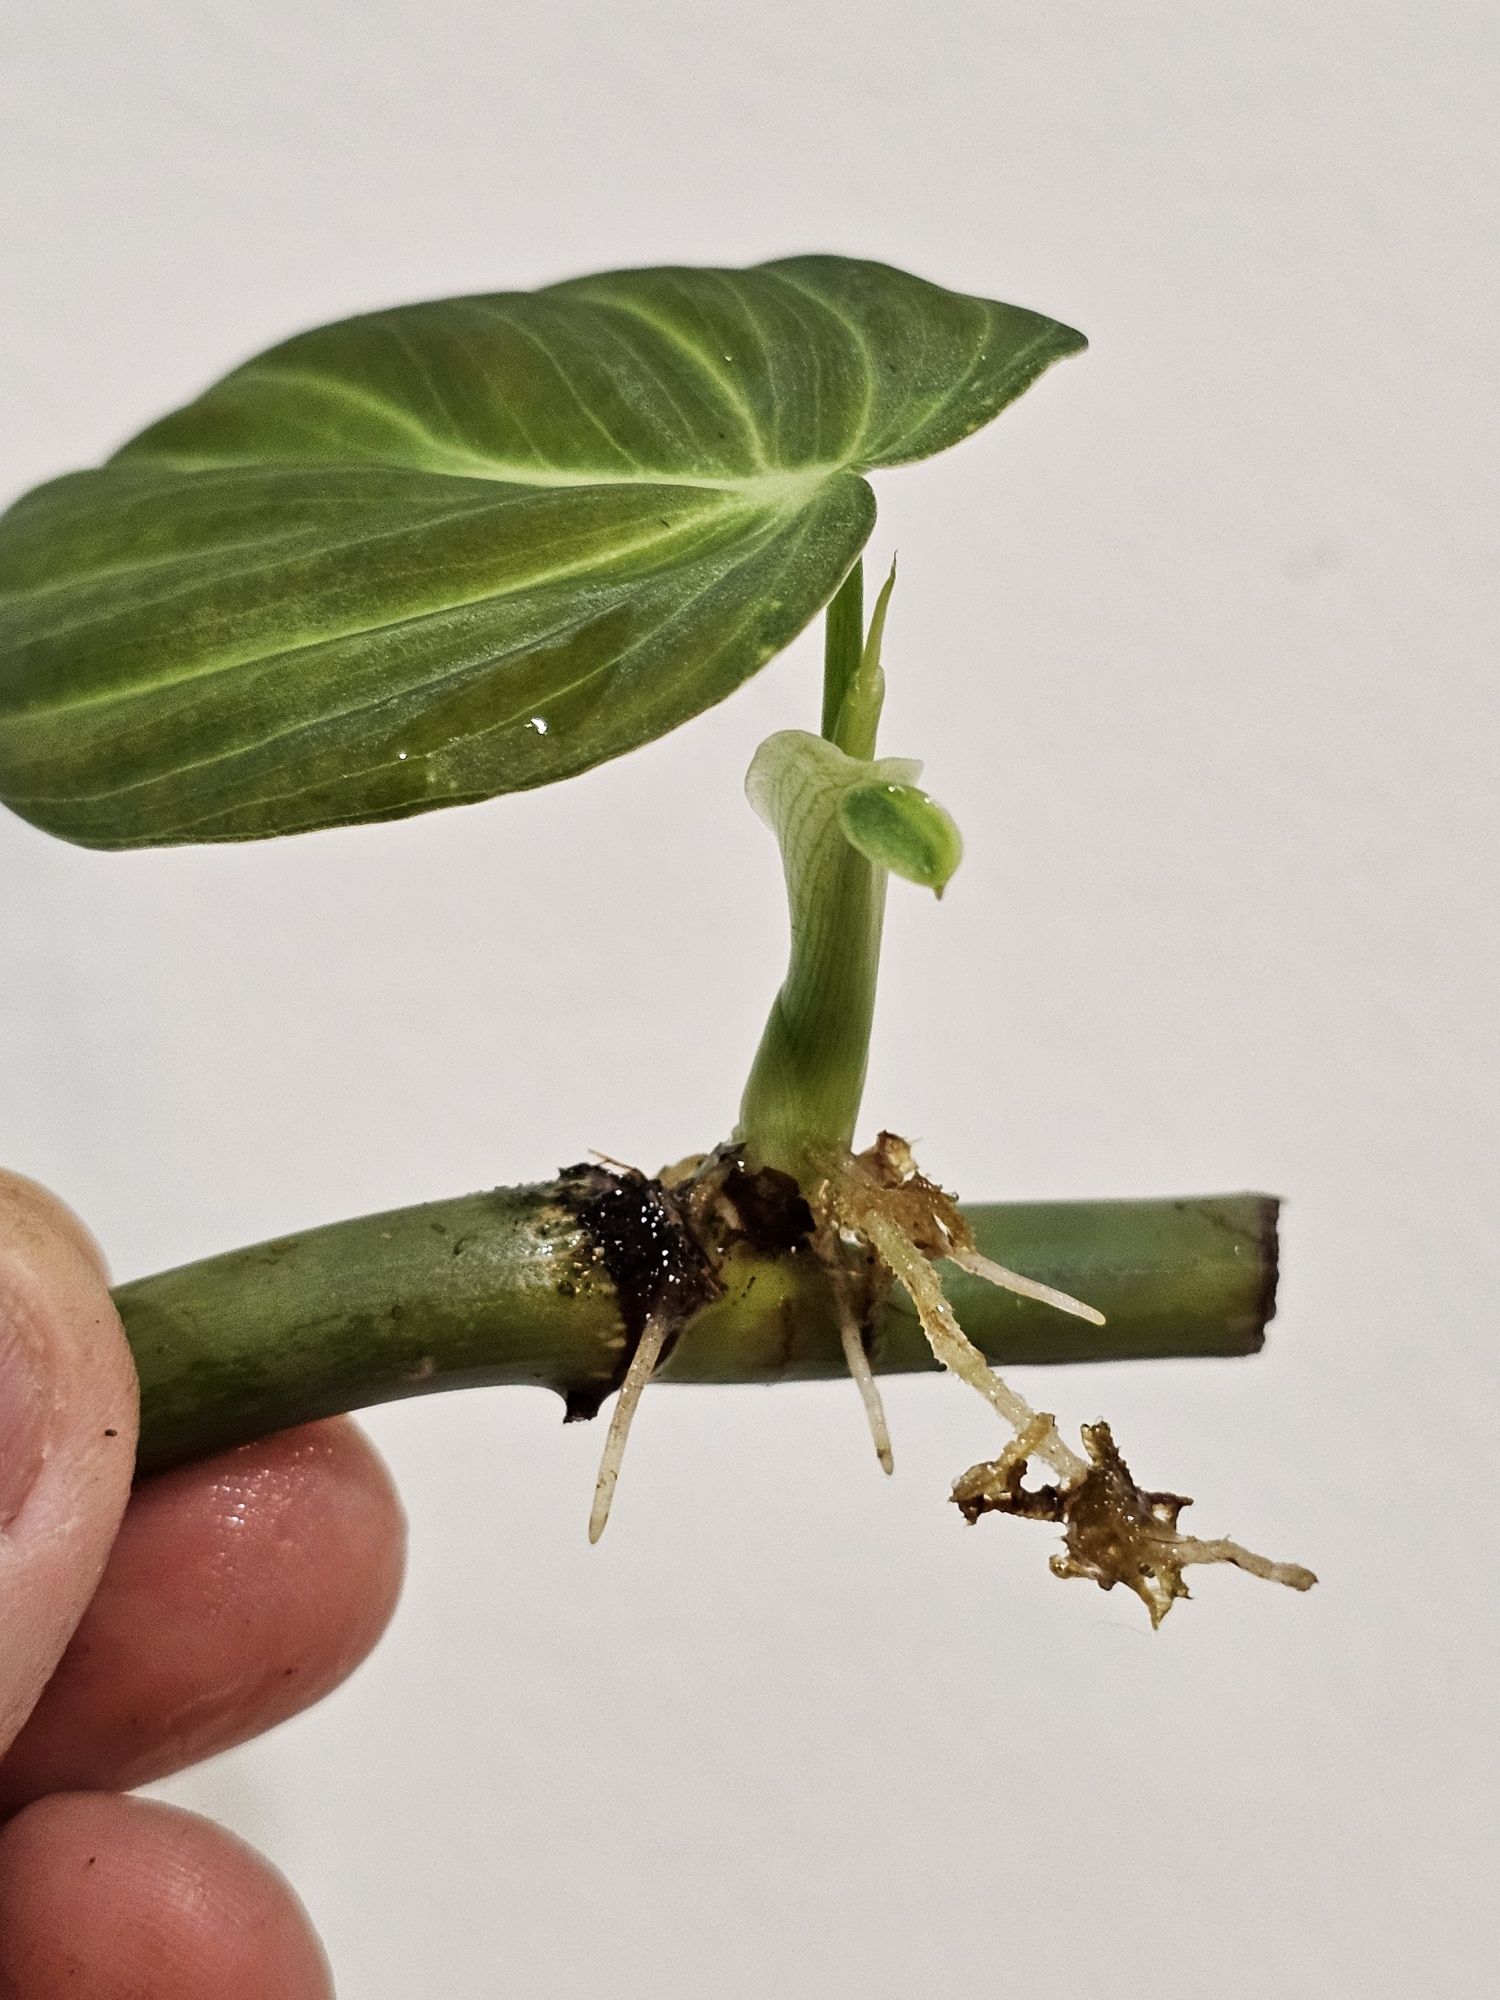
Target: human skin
pixel 142 1632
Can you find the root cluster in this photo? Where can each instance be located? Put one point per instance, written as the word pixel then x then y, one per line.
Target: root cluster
pixel 873 1217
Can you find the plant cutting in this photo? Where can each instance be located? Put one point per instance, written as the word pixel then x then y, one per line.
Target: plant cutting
pixel 432 555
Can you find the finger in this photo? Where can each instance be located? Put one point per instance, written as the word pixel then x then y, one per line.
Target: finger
pixel 239 1591
pixel 101 1897
pixel 19 1188
pixel 67 1436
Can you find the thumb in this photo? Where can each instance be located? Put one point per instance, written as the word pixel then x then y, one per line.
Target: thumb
pixel 67 1436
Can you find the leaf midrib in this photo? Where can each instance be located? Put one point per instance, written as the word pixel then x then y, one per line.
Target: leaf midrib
pixel 773 485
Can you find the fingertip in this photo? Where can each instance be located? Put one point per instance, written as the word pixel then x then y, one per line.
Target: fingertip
pixel 103 1896
pixel 240 1591
pixel 29 1209
pixel 67 1436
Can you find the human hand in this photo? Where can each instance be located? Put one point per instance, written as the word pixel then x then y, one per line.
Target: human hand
pixel 140 1633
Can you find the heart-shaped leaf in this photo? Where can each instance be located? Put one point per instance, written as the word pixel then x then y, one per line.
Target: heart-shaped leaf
pixel 429 555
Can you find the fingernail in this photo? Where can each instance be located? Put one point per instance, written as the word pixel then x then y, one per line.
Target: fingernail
pixel 23 1411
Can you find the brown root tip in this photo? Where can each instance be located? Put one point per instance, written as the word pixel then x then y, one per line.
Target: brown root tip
pixel 1114 1531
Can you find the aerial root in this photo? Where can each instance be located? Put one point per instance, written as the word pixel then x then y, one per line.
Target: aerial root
pixel 642 1367
pixel 980 1266
pixel 1113 1530
pixel 880 1199
pixel 852 1335
pixel 956 1351
pixel 873 1217
pixel 1190 1549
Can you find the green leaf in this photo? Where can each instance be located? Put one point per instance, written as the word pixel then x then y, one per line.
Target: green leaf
pixel 901 829
pixel 819 802
pixel 433 554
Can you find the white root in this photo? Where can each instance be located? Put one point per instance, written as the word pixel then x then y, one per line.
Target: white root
pixel 953 1347
pixel 1191 1549
pixel 1114 1530
pixel 851 1333
pixel 642 1367
pixel 980 1266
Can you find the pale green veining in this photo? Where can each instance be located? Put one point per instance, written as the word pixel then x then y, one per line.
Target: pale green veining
pixel 436 553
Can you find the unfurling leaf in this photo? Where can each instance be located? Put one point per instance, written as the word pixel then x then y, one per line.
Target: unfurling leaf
pixel 819 802
pixel 900 828
pixel 429 555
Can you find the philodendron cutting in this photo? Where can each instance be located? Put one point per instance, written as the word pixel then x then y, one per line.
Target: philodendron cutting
pixel 431 555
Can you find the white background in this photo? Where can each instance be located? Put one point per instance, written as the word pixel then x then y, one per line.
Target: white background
pixel 1198 643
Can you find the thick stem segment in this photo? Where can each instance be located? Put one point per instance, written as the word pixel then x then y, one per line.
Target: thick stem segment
pixel 515 1286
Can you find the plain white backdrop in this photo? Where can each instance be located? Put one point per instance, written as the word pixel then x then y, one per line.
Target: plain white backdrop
pixel 1198 644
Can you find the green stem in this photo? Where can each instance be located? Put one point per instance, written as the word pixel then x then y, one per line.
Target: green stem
pixel 807 1081
pixel 506 1287
pixel 857 675
pixel 843 644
